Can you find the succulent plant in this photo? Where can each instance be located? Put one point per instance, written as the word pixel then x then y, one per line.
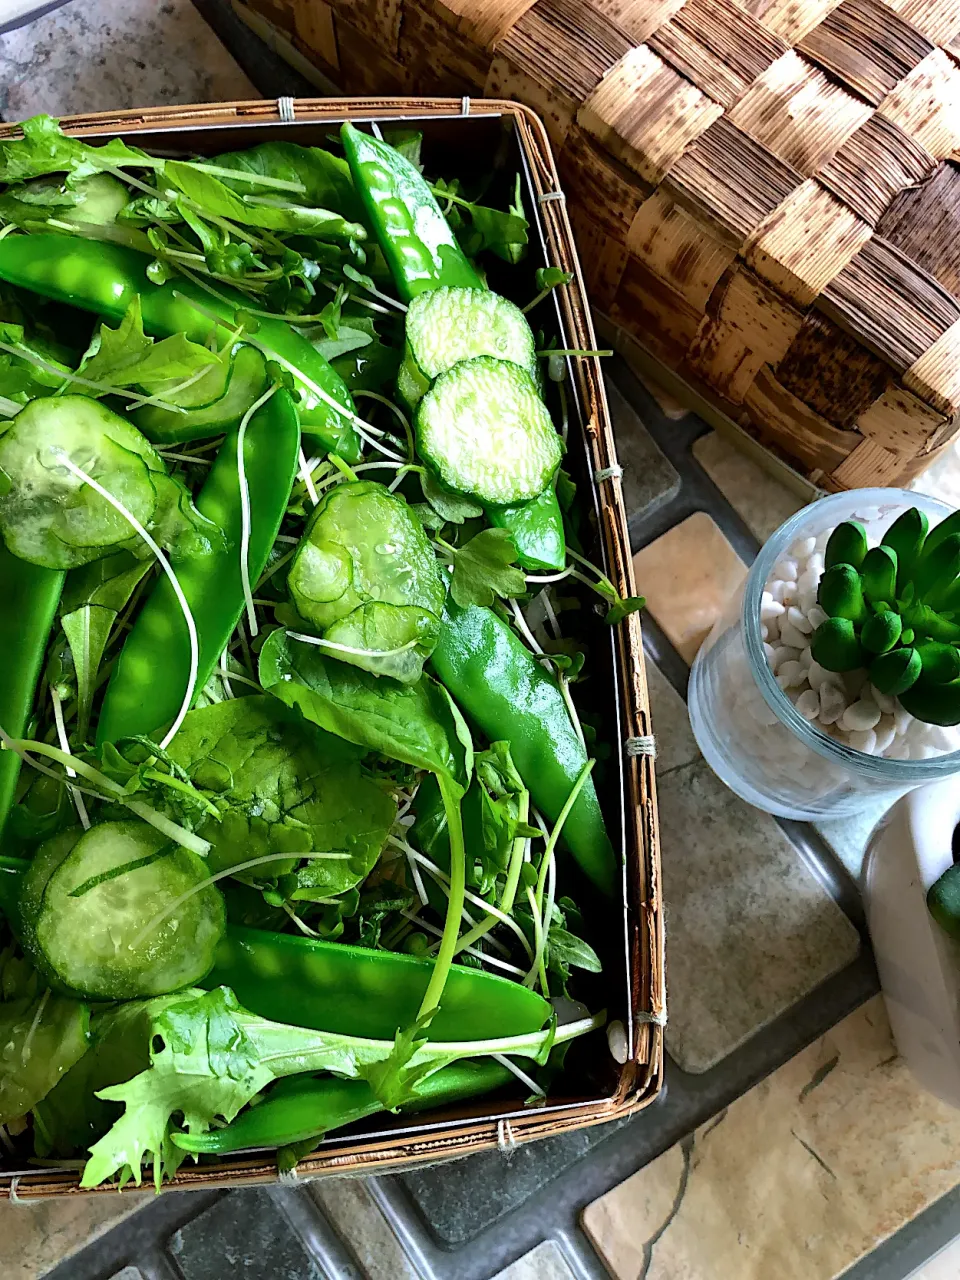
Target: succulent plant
pixel 895 609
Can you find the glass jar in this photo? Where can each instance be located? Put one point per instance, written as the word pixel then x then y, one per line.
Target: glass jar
pixel 749 731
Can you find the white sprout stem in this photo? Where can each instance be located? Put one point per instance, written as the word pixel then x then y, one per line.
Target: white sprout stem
pixel 415 856
pixel 477 901
pixel 550 577
pixel 473 951
pixel 174 582
pixel 571 708
pixel 9 408
pixel 414 870
pixel 185 457
pixel 25 748
pixel 222 875
pixel 289 539
pixel 544 596
pixel 241 175
pixel 75 795
pixel 347 648
pixel 245 511
pixel 539 938
pixel 404 420
pixel 235 675
pixel 103 388
pixel 301 924
pixel 521 1075
pixel 226 673
pixel 306 475
pixel 524 630
pixel 28 1042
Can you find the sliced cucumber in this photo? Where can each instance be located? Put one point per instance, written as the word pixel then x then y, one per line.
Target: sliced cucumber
pixel 88 897
pixel 448 325
pixel 484 429
pixel 215 403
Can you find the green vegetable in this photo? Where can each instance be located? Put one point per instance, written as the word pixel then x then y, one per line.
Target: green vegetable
pixel 537 531
pixel 508 695
pixel 841 594
pixel 30 597
pixel 943 901
pixel 235 385
pixel 894 672
pixel 151 677
pixel 484 568
pixel 41 1037
pixel 906 537
pixel 307 1107
pixel 416 239
pixel 45 149
pixel 933 703
pixel 365 578
pixel 106 277
pixel 846 545
pixel 484 429
pixel 52 516
pixel 88 902
pixel 283 785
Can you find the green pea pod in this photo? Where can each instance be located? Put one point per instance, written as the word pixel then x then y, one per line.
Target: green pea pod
pixel 417 242
pixel 841 594
pixel 940 662
pixel 503 689
pixel 303 1107
pixel 881 632
pixel 936 570
pixel 30 597
pixel 895 672
pixel 906 536
pixel 878 574
pixel 934 703
pixel 940 532
pixel 104 278
pixel 357 991
pixel 846 545
pixel 835 645
pixel 537 529
pixel 147 685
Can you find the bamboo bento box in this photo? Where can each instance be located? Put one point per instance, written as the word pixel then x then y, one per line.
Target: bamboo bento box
pixel 766 194
pixel 631 930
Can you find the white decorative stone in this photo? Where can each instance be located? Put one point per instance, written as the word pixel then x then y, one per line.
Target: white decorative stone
pixel 808 582
pixel 777 589
pixel 884 701
pixel 783 653
pixel 816 616
pixel 803 548
pixel 902 719
pixel 770 608
pixel 863 740
pixel 815 564
pixel 797 618
pixel 791 636
pixel 832 703
pixel 770 654
pixel 786 570
pixel 860 716
pixel 886 732
pixel 789 674
pixel 789 594
pixel 808 704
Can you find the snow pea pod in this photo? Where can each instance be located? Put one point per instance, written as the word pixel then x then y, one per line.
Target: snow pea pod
pixel 30 597
pixel 303 1107
pixel 104 278
pixel 417 242
pixel 500 686
pixel 148 682
pixel 355 991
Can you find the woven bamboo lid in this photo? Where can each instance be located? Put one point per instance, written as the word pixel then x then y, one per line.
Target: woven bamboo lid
pixel 766 195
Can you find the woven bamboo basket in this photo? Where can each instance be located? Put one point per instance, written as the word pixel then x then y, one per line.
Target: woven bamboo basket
pixel 634 990
pixel 765 195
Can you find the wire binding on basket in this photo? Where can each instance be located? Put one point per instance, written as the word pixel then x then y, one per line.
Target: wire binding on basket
pixel 551 195
pixel 465 105
pixel 655 1019
pixel 643 745
pixel 506 1142
pixel 608 473
pixel 287 110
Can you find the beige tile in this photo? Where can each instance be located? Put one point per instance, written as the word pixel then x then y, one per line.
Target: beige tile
pixel 942 480
pixel 763 502
pixel 688 575
pixel 797 1179
pixel 36 1235
pixel 356 1218
pixel 545 1262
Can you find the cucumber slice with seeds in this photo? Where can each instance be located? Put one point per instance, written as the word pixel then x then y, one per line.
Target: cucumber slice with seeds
pixel 448 325
pixel 86 900
pixel 485 431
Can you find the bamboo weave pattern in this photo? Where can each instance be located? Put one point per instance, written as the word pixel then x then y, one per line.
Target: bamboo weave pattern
pixel 766 195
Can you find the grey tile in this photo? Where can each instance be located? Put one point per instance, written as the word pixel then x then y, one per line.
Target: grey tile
pixel 245 1236
pixel 676 744
pixel 353 1213
pixel 763 501
pixel 460 1199
pixel 649 479
pixel 750 930
pixel 545 1262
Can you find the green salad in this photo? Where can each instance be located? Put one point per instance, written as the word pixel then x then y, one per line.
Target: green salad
pixel 294 791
